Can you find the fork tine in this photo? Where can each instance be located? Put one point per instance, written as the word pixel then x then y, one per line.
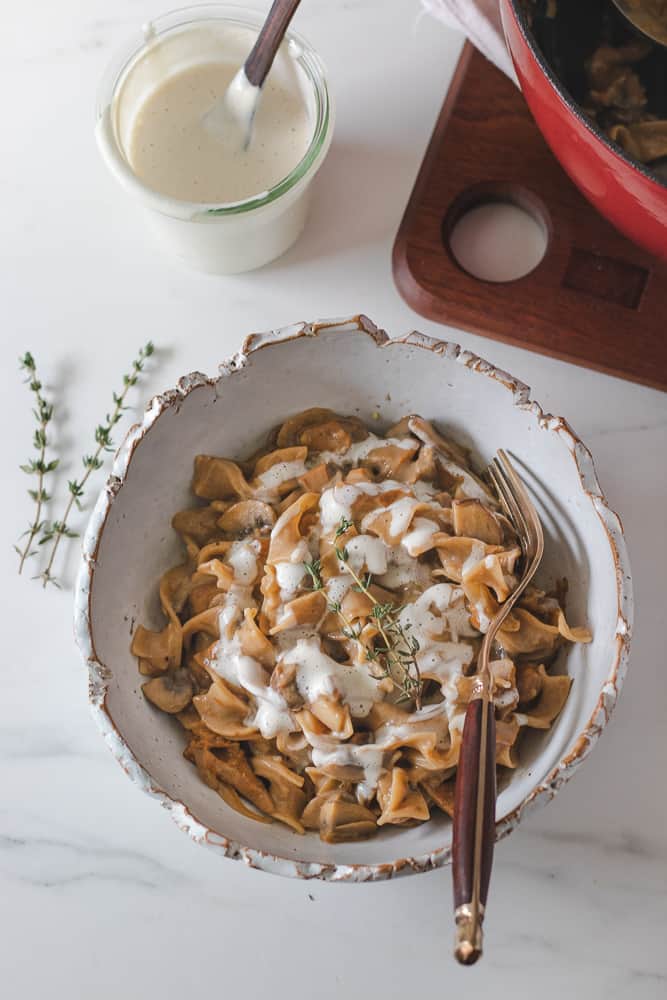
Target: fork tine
pixel 493 476
pixel 530 518
pixel 498 484
pixel 509 500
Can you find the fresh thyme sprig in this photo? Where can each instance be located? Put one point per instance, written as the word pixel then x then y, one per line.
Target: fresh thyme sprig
pixel 39 466
pixel 57 530
pixel 395 659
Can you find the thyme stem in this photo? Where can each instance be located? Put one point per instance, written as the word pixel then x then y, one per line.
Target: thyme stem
pixel 399 650
pixel 59 529
pixel 39 466
pixel 390 652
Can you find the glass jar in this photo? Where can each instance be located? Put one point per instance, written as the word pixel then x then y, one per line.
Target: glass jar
pixel 220 238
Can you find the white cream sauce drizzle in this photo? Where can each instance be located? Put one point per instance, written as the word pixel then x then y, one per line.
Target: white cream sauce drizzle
pixel 274 477
pixel 290 577
pixel 338 586
pixel 441 655
pixel 471 487
pixel 362 449
pixel 318 674
pixel 337 502
pixel 402 570
pixel 476 556
pixel 242 557
pixel 370 757
pixel 270 713
pixel 438 618
pixel 419 538
pixel 367 551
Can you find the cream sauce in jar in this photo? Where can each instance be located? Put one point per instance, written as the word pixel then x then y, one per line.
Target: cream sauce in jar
pixel 172 152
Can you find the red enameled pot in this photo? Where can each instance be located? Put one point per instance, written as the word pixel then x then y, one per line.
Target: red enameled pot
pixel 624 191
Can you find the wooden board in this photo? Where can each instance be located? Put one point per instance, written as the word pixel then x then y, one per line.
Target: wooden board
pixel 595 299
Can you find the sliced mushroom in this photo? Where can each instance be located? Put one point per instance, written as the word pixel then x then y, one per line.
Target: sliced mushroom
pixel 646 141
pixel 246 517
pixel 218 479
pixel 198 523
pixel 172 692
pixel 423 467
pixel 292 430
pixel 329 436
pixel 473 520
pixel 390 461
pixel 283 680
pixel 158 651
pixel 452 462
pixel 289 433
pixel 427 433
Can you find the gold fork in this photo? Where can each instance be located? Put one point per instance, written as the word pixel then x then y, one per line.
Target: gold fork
pixel 475 801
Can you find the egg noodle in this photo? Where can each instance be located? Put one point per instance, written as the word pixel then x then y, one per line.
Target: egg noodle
pixel 324 627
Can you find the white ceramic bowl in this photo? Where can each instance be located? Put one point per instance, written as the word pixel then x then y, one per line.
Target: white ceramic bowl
pixel 352 367
pixel 217 238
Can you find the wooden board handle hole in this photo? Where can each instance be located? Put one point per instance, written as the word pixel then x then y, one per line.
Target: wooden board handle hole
pixel 497 232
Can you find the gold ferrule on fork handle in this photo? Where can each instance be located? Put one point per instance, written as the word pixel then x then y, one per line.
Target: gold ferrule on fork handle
pixel 481 687
pixel 468 943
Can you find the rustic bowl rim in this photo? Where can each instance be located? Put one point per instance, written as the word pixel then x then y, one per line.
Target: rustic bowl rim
pixel 99 674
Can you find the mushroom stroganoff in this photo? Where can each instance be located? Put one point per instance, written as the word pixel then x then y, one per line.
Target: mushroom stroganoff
pixel 323 629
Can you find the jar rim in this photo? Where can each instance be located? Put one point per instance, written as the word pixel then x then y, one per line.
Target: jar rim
pixel 197 14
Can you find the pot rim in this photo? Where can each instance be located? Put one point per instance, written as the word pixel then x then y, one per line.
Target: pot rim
pixel 561 91
pixel 99 674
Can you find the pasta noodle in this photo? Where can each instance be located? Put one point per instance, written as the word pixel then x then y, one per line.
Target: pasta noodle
pixel 323 629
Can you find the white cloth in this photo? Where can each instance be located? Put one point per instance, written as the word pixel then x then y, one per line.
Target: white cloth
pixel 480 21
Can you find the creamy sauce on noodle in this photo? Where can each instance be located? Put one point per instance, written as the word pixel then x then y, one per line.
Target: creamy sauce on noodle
pixel 318 674
pixel 340 643
pixel 278 474
pixel 437 619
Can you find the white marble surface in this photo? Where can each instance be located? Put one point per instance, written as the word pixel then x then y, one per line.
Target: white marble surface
pixel 100 895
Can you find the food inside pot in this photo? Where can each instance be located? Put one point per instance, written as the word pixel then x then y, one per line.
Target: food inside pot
pixel 649 16
pixel 615 73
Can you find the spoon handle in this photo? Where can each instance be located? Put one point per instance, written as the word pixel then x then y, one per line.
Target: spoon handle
pixel 260 60
pixel 474 827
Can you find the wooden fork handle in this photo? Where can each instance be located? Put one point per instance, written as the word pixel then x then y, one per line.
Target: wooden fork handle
pixel 467 806
pixel 263 52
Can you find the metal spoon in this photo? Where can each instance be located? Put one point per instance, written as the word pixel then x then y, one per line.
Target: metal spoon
pixel 231 118
pixel 650 23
